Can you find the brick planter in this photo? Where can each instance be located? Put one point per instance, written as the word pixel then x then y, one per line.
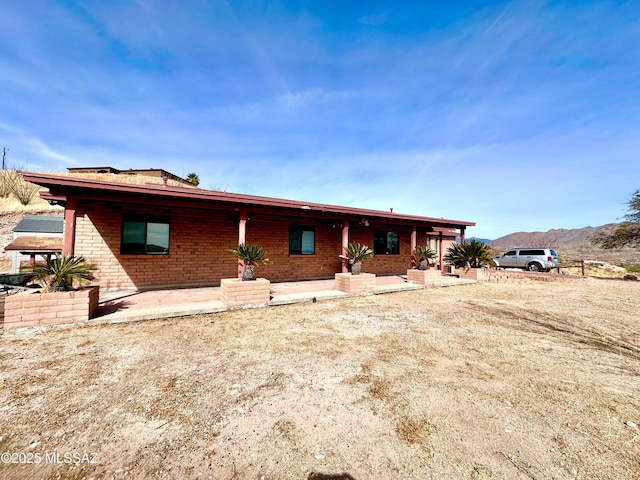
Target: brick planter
pixel 355 284
pixel 428 278
pixel 27 309
pixel 477 274
pixel 239 294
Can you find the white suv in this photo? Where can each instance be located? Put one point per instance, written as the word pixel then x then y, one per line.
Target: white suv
pixel 532 259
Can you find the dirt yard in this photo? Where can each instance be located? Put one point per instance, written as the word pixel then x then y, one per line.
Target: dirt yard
pixel 489 381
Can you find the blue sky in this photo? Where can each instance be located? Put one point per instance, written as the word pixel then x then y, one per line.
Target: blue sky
pixel 520 116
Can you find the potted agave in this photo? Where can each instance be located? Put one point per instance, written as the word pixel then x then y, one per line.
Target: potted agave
pixel 250 256
pixel 61 278
pixel 356 253
pixel 422 255
pixel 247 291
pixel 356 282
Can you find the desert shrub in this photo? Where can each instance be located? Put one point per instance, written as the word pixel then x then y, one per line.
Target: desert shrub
pixel 7 180
pixel 24 191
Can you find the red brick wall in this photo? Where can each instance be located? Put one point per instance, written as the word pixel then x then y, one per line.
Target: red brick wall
pixel 272 233
pixel 200 238
pixel 383 264
pixel 28 309
pixel 197 247
pixel 238 293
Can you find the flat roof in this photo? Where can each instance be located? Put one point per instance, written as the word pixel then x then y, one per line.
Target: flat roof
pixel 35 244
pixel 39 224
pixel 62 185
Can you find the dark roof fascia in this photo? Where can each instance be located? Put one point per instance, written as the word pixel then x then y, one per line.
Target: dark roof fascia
pixel 61 185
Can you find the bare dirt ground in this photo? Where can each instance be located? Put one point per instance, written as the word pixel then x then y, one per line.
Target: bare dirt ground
pixel 487 381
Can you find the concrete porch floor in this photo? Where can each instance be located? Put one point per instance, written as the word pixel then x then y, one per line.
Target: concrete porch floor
pixel 128 306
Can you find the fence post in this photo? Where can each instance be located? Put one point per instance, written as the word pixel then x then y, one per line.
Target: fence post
pixel 582 265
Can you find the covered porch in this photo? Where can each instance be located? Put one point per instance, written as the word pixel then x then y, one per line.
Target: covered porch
pixel 128 306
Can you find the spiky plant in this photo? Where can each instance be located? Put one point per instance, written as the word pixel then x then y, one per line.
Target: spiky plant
pixel 250 255
pixel 471 254
pixel 193 178
pixel 423 254
pixel 59 273
pixel 356 253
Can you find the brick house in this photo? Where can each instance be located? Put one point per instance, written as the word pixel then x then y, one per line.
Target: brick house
pixel 155 236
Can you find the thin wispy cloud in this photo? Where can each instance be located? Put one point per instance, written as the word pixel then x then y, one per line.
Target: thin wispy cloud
pixel 486 112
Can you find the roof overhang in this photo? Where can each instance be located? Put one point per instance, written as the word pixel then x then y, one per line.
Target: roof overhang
pixel 28 244
pixel 63 186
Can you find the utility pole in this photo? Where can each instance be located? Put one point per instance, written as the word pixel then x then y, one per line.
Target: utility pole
pixel 4 155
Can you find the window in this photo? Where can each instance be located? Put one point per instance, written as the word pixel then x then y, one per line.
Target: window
pixel 386 243
pixel 531 252
pixel 302 240
pixel 145 235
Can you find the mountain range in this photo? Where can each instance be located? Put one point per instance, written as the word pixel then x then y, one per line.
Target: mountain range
pixel 555 238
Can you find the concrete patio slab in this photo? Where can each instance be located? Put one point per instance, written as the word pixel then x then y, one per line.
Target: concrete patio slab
pixel 128 306
pixel 162 311
pixel 396 287
pixel 299 297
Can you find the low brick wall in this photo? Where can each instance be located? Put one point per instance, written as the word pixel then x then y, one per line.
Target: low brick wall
pixel 251 293
pixel 428 278
pixel 355 284
pixel 37 309
pixel 478 274
pixel 515 276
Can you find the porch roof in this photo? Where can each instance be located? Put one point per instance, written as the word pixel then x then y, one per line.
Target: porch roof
pixel 59 185
pixel 27 244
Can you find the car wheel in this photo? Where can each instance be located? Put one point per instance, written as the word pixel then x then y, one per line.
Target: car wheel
pixel 534 267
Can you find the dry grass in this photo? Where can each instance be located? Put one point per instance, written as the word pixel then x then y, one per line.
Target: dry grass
pixel 124 178
pixel 483 381
pixel 12 203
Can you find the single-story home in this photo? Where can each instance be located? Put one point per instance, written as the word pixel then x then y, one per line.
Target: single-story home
pixel 156 236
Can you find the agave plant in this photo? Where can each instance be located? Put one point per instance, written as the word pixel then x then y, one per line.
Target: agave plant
pixel 59 273
pixel 356 252
pixel 422 255
pixel 250 255
pixel 472 254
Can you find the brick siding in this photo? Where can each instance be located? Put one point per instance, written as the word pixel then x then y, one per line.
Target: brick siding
pixel 430 278
pixel 355 284
pixel 37 309
pixel 237 293
pixel 200 239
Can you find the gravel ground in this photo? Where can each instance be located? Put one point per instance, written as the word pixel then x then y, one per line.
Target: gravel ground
pixel 535 381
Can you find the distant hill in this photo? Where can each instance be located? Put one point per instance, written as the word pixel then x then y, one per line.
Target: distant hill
pixel 571 244
pixel 555 238
pixel 483 240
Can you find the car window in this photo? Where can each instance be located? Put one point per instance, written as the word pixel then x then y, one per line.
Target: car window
pixel 531 252
pixel 510 252
pixel 553 253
